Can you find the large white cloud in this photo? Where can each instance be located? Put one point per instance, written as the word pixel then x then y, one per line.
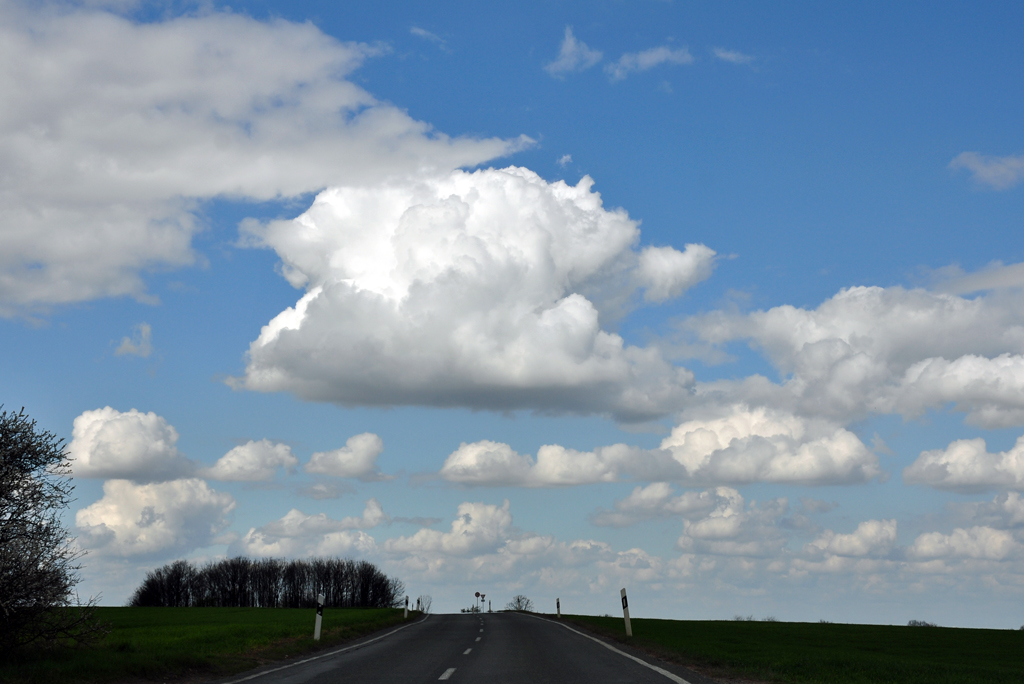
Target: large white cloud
pixel 358 459
pixel 765 445
pixel 130 445
pixel 746 445
pixel 300 534
pixel 882 350
pixel 153 519
pixel 113 130
pixel 486 289
pixel 967 465
pixel 252 462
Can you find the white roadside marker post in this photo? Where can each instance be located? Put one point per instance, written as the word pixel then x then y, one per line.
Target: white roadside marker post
pixel 558 607
pixel 319 616
pixel 406 616
pixel 625 613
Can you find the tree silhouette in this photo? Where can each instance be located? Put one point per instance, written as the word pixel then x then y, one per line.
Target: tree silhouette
pixel 38 563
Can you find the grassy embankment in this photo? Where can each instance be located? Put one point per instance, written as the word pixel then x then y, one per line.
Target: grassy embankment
pixel 179 643
pixel 834 653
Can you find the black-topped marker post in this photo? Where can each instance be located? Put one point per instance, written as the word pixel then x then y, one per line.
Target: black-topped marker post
pixel 319 616
pixel 558 607
pixel 625 613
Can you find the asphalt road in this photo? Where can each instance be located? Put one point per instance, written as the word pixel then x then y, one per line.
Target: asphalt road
pixel 504 648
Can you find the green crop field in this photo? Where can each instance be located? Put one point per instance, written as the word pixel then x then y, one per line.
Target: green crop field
pixel 822 652
pixel 174 643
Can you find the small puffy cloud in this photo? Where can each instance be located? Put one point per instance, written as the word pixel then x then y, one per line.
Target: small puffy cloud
pixel 648 59
pixel 734 528
pixel 478 528
pixel 115 131
pixel 153 519
pixel 574 55
pixel 881 350
pixel 871 538
pixel 999 173
pixel 966 465
pixel 252 462
pixel 139 344
pixel 485 290
pixel 299 534
pixel 666 272
pixel 1007 509
pixel 358 459
pixel 107 443
pixel 764 445
pixel 657 500
pixel 977 542
pixel 732 56
pixel 565 160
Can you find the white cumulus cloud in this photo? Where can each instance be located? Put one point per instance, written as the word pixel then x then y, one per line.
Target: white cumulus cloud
pixel 966 465
pixel 107 443
pixel 574 55
pixel 977 542
pixel 881 350
pixel 113 130
pixel 484 289
pixel 764 445
pixel 477 528
pixel 647 59
pixel 358 459
pixel 871 538
pixel 300 534
pixel 252 462
pixel 745 445
pixel 153 519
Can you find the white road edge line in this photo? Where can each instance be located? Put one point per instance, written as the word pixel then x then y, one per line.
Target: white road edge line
pixel 325 655
pixel 447 673
pixel 675 678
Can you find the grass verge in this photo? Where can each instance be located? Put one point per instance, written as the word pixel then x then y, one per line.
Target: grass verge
pixel 801 653
pixel 190 643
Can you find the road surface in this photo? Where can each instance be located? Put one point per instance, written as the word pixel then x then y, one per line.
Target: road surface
pixel 503 648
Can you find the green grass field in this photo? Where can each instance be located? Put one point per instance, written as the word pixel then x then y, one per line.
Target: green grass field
pixel 838 654
pixel 185 643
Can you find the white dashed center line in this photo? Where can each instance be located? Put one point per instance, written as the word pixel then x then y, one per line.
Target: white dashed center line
pixel 481 629
pixel 466 652
pixel 478 638
pixel 447 674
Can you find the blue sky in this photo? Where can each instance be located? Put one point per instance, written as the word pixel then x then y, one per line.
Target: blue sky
pixel 721 303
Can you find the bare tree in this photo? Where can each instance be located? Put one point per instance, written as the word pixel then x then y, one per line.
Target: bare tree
pixel 520 602
pixel 38 563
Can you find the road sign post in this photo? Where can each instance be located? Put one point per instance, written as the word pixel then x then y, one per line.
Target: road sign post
pixel 406 616
pixel 625 613
pixel 319 616
pixel 558 607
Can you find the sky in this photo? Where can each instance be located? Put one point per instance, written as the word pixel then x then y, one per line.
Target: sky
pixel 719 302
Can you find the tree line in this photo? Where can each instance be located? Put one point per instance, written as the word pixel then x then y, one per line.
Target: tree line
pixel 270 583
